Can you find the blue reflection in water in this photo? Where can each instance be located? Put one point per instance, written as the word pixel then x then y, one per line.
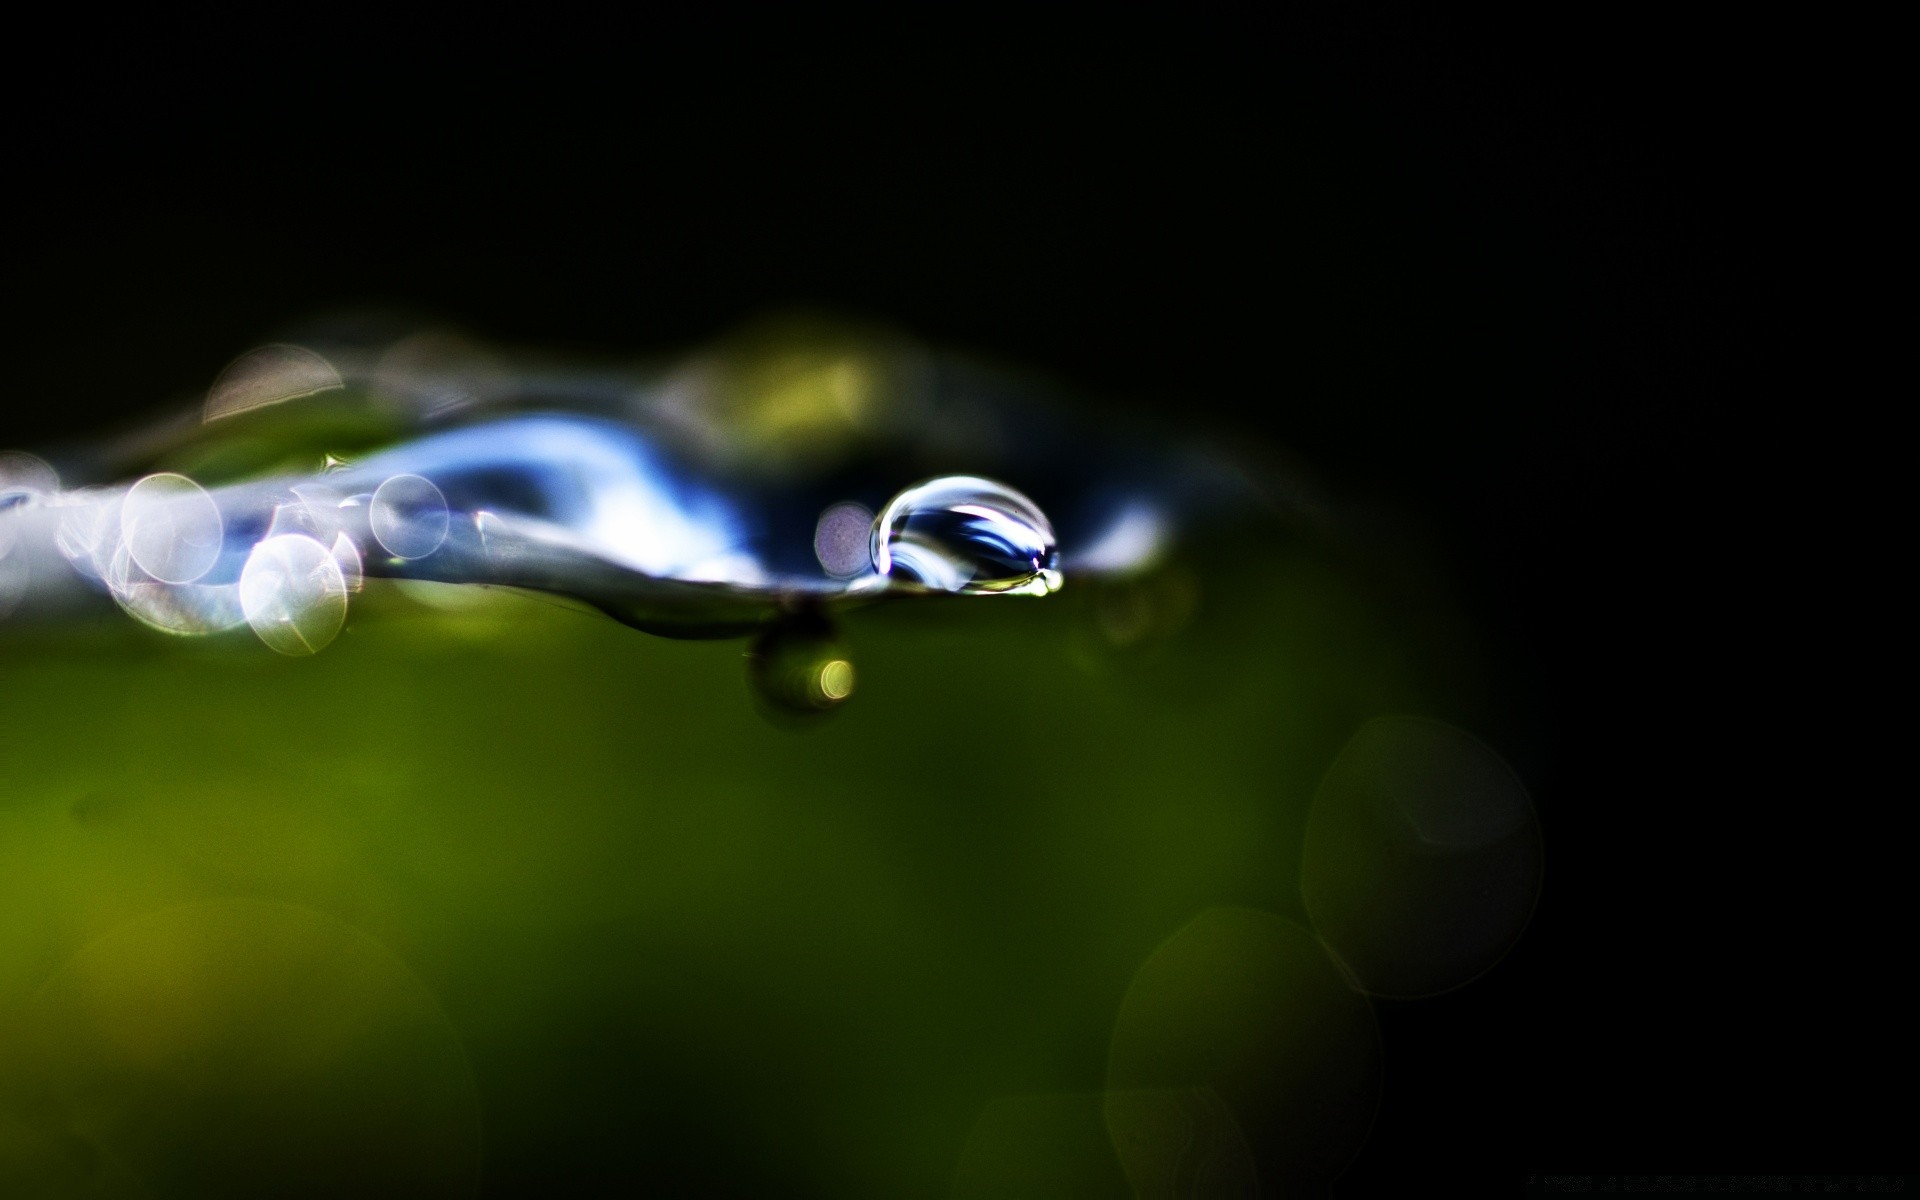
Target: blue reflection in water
pixel 576 505
pixel 963 533
pixel 580 483
pixel 666 500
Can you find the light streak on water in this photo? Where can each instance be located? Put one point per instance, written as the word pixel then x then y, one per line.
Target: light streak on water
pixel 763 501
pixel 625 491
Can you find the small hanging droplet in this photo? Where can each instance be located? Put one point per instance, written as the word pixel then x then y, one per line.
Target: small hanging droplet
pixel 800 667
pixel 962 533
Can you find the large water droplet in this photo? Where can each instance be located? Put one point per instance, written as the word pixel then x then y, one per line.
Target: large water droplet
pixel 962 533
pixel 172 528
pixel 294 594
pixel 800 667
pixel 409 516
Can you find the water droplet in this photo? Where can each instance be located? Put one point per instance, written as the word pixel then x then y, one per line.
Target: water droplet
pixel 800 667
pixel 962 533
pixel 409 516
pixel 1422 857
pixel 172 528
pixel 841 537
pixel 266 376
pixel 294 594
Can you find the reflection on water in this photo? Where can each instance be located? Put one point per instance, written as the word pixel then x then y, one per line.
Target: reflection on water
pixel 962 533
pixel 1088 896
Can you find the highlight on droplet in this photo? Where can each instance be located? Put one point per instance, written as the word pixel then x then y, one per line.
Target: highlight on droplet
pixel 963 533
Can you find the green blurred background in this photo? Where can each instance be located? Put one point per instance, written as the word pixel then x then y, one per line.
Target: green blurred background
pixel 512 883
pixel 559 905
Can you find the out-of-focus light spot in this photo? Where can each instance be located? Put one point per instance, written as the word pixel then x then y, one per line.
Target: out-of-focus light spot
pixel 1422 857
pixel 812 394
pixel 172 528
pixel 836 680
pixel 796 393
pixel 408 515
pixel 841 539
pixel 438 372
pixel 962 533
pixel 1040 1146
pixel 267 376
pixel 294 594
pixel 1247 1006
pixel 1137 537
pixel 850 383
pixel 1183 1133
pixel 24 477
pixel 800 668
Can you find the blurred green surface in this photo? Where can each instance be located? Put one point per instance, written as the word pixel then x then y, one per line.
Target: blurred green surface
pixel 506 893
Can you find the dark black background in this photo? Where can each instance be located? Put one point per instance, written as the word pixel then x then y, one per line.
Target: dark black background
pixel 1494 271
